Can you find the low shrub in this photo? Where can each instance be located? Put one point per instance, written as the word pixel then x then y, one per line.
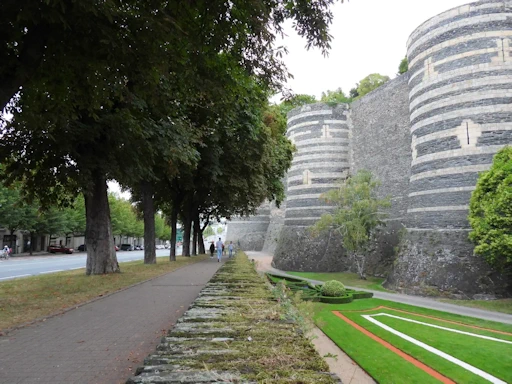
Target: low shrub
pixel 336 300
pixel 362 295
pixel 333 288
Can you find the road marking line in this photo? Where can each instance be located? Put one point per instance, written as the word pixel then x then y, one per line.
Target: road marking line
pixel 394 349
pixel 56 270
pixel 446 329
pixel 13 277
pixel 437 352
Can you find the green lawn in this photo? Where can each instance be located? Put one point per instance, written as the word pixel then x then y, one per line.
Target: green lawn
pixel 385 366
pixel 347 278
pixel 500 305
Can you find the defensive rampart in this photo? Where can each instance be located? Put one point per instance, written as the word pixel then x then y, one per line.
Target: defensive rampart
pixel 426 135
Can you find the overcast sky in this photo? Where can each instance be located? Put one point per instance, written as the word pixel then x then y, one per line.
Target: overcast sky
pixel 369 36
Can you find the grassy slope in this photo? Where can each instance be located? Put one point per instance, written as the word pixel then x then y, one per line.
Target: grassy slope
pixel 26 299
pixel 350 279
pixel 384 365
pixel 500 305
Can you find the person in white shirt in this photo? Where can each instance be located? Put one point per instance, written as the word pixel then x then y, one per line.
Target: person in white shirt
pixel 219 249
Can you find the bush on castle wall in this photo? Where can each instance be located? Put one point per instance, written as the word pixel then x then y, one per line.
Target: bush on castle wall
pixel 490 212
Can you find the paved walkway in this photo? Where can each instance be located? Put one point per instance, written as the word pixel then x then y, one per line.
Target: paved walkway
pixel 264 260
pixel 104 341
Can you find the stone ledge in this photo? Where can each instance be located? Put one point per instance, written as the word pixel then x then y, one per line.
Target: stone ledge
pixel 234 333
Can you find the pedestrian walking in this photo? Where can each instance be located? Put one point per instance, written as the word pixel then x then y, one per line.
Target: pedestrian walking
pixel 212 249
pixel 231 247
pixel 219 249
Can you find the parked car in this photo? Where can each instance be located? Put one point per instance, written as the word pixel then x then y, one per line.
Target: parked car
pixel 127 247
pixel 83 248
pixel 139 247
pixel 60 249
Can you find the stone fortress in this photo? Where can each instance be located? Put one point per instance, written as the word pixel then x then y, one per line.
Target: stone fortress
pixel 426 135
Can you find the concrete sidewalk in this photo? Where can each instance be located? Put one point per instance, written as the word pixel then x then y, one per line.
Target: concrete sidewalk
pixel 264 263
pixel 103 341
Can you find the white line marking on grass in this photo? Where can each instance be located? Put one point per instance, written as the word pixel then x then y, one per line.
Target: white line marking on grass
pixel 56 270
pixel 13 277
pixel 446 329
pixel 450 358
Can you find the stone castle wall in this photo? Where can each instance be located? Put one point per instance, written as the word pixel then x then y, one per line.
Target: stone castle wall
pixel 426 135
pixel 381 143
pixel 249 233
pixel 321 135
pixel 460 92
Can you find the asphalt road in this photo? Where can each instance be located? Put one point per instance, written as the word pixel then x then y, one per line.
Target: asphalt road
pixel 17 267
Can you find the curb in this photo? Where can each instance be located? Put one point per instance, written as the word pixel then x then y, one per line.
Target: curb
pixel 5 332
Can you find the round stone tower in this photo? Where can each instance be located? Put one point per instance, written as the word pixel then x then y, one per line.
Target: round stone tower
pixel 460 84
pixel 249 233
pixel 321 136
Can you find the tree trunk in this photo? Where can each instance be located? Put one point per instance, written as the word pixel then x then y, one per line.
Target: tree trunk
pixel 31 248
pixel 360 263
pixel 11 244
pixel 149 223
pixel 202 249
pixel 101 254
pixel 187 227
pixel 200 243
pixel 174 222
pixel 196 237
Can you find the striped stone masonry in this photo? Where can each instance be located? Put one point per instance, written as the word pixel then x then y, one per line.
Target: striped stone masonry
pixel 249 233
pixel 321 136
pixel 460 108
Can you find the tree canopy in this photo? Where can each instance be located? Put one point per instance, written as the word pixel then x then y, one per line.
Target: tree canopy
pixel 334 97
pixel 490 212
pixel 144 93
pixel 404 66
pixel 358 212
pixel 371 82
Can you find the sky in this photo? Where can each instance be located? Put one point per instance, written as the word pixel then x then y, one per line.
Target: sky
pixel 369 36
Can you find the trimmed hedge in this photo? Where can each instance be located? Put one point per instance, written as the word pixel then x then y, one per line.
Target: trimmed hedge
pixel 362 295
pixel 336 300
pixel 314 292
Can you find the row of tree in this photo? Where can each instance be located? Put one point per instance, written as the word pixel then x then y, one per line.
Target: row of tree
pixel 167 98
pixel 16 213
pixel 365 86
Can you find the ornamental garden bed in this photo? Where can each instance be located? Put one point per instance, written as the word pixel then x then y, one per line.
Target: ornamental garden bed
pixel 312 292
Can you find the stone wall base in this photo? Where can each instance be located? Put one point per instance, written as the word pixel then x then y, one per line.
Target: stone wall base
pixel 436 263
pixel 272 237
pixel 297 250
